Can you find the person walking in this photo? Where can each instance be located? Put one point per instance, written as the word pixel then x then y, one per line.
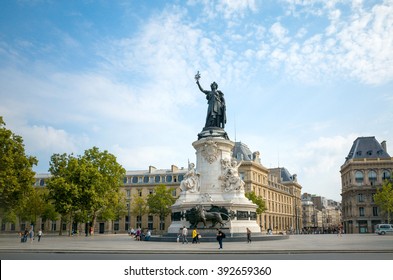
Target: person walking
pixel 31 235
pixel 195 236
pixel 340 230
pixel 39 235
pixel 248 235
pixel 184 234
pixel 148 235
pixel 220 237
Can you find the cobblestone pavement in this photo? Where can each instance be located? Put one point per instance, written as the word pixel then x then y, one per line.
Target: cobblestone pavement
pixel 123 243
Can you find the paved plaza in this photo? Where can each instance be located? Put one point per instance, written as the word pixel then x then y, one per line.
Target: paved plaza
pixel 122 243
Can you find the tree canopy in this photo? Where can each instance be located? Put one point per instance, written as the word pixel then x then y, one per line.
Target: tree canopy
pixel 139 206
pixel 16 174
pixel 384 198
pixel 88 184
pixel 160 201
pixel 258 201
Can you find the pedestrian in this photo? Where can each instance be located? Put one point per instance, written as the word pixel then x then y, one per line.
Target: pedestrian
pixel 248 235
pixel 220 237
pixel 138 234
pixel 340 230
pixel 31 235
pixel 39 235
pixel 184 234
pixel 147 236
pixel 195 236
pixel 25 235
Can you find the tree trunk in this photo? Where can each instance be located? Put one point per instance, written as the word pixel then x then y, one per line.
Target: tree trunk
pixel 61 228
pixel 70 225
pixel 93 222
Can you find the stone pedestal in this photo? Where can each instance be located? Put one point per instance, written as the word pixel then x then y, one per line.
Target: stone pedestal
pixel 216 186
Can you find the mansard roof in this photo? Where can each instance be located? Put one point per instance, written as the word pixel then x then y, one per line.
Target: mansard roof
pixel 242 152
pixel 366 147
pixel 286 176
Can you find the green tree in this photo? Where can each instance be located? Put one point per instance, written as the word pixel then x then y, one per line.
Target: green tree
pixel 49 213
pixel 139 206
pixel 258 201
pixel 62 186
pixel 34 206
pixel 88 185
pixel 115 210
pixel 384 198
pixel 16 174
pixel 160 201
pixel 100 180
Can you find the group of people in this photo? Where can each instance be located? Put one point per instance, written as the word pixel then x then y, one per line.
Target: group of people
pixel 139 235
pixel 183 235
pixel 220 235
pixel 29 233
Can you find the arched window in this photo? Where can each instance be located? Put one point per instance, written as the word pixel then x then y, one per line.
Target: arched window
pixel 372 177
pixel 359 177
pixel 146 179
pixel 385 175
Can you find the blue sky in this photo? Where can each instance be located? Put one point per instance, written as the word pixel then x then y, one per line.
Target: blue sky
pixel 302 79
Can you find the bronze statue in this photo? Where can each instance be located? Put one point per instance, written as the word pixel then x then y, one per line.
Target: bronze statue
pixel 199 214
pixel 216 111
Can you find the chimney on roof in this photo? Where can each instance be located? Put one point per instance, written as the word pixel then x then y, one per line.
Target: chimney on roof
pixel 151 169
pixel 383 144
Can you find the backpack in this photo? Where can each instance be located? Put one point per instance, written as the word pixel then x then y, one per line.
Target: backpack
pixel 223 235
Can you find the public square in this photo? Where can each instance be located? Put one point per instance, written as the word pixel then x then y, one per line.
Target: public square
pixel 122 246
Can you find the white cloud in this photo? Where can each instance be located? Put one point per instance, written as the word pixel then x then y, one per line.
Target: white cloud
pixel 355 44
pixel 279 34
pixel 233 8
pixel 46 138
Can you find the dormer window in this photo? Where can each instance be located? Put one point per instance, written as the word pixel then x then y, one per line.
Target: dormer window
pixel 369 153
pixel 359 153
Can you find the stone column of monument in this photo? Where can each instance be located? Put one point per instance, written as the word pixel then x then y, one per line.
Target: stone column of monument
pixel 214 184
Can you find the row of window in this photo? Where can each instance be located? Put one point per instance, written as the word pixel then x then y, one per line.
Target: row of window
pixel 362 197
pixel 153 179
pixel 370 153
pixel 362 211
pixel 372 176
pixel 137 179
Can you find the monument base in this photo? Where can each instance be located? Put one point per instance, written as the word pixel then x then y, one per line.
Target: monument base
pixel 213 195
pixel 213 132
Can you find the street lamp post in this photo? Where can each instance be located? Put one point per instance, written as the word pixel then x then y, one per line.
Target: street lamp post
pixel 129 218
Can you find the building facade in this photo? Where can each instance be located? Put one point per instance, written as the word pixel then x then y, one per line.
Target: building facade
pixel 279 189
pixel 366 167
pixel 320 215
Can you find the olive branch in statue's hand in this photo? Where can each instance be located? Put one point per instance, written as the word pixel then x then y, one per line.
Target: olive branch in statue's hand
pixel 197 76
